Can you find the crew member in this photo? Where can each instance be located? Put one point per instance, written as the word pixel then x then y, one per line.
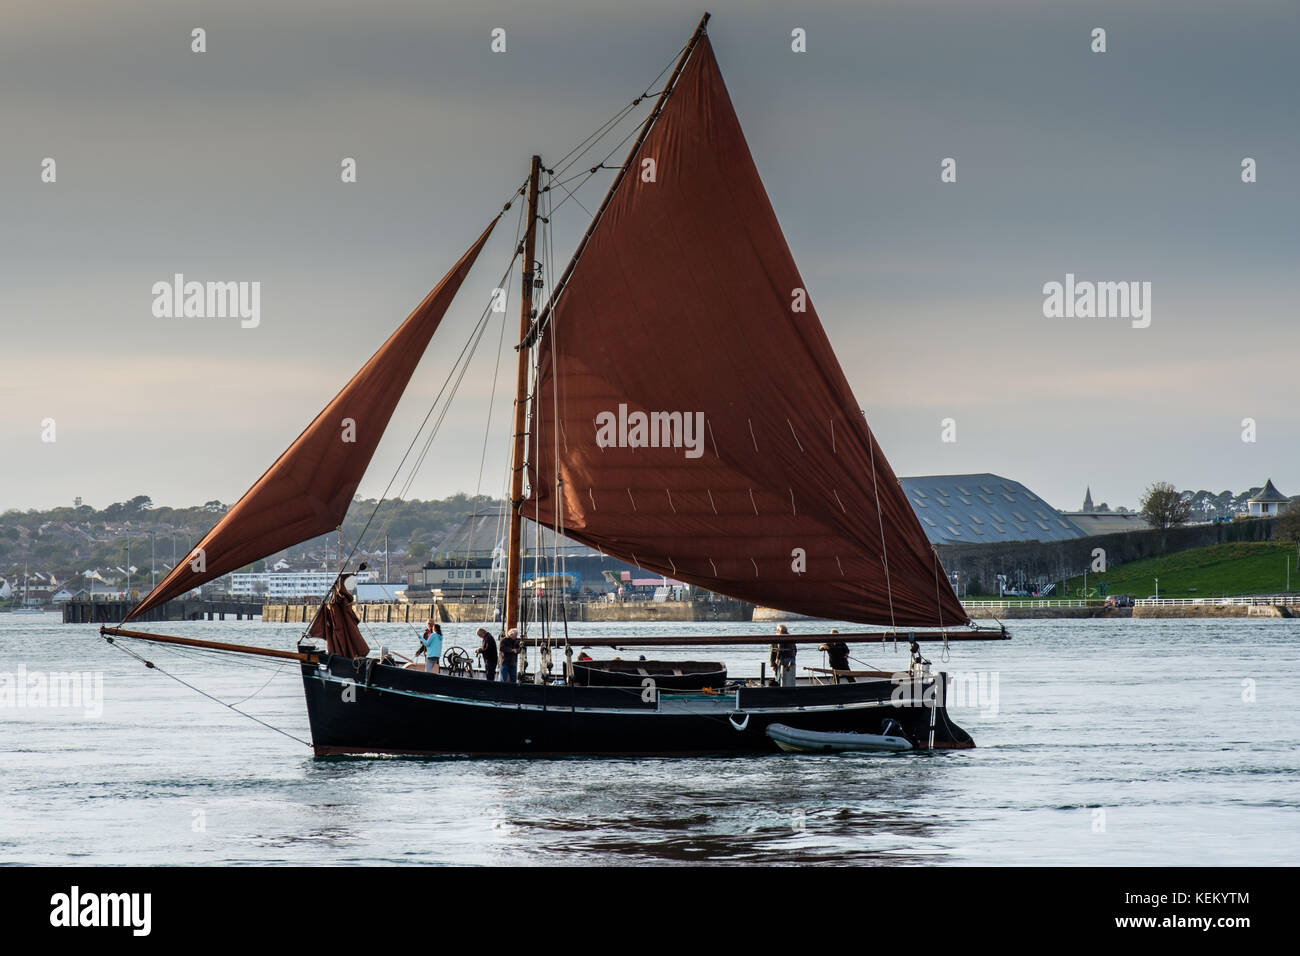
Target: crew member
pixel 510 656
pixel 838 654
pixel 488 651
pixel 431 646
pixel 783 658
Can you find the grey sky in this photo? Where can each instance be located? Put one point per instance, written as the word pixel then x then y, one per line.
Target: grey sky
pixel 225 165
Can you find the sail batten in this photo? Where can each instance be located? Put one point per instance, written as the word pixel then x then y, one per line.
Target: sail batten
pixel 708 432
pixel 308 490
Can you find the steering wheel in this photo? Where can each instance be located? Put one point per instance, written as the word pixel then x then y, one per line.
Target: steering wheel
pixel 457 660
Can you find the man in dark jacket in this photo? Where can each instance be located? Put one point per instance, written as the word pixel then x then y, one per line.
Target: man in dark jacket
pixel 838 654
pixel 488 651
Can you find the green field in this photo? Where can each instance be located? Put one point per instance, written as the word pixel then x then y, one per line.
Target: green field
pixel 1223 570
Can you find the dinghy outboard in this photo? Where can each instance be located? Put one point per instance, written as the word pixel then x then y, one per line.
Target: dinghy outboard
pixel 794 740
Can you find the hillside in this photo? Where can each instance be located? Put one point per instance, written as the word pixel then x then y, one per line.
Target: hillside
pixel 1248 567
pixel 59 544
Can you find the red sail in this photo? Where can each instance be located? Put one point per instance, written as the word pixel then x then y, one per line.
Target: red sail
pixel 754 473
pixel 308 489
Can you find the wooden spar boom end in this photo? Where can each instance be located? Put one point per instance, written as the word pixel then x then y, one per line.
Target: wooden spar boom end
pixel 109 633
pixel 719 640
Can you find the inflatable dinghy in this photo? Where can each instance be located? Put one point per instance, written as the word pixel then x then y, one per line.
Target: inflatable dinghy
pixel 793 740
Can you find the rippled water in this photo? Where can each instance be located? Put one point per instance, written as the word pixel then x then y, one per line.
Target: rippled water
pixel 1111 742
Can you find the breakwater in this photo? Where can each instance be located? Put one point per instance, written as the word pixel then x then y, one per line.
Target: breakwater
pixel 113 612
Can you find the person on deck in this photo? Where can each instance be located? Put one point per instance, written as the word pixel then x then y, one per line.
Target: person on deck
pixel 488 651
pixel 838 654
pixel 783 658
pixel 510 656
pixel 431 646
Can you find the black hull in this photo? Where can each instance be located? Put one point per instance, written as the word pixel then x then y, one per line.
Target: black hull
pixel 363 707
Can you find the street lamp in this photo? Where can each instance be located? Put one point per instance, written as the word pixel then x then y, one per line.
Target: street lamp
pixel 1157 588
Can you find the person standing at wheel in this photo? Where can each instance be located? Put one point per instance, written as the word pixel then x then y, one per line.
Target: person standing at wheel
pixel 431 646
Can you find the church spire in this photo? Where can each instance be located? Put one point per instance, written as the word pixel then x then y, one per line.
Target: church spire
pixel 1087 499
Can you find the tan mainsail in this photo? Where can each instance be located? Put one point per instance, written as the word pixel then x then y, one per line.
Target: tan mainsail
pixel 692 409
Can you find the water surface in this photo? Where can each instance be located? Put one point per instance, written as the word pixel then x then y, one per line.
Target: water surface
pixel 1113 742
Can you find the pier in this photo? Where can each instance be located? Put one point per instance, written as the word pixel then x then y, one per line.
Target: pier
pixel 112 612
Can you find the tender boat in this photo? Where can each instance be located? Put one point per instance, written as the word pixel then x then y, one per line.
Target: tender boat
pixel 795 740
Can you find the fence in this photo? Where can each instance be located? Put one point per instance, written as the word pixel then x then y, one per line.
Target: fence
pixel 1038 602
pixel 1252 599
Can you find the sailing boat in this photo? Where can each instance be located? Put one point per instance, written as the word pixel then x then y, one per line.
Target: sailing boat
pixel 26 608
pixel 677 406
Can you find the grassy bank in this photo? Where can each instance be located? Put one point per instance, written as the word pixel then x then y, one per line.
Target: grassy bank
pixel 1222 570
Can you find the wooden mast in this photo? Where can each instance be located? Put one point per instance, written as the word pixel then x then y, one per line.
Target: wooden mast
pixel 528 327
pixel 514 546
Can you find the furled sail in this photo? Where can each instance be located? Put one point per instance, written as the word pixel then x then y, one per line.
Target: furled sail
pixel 705 428
pixel 309 488
pixel 337 623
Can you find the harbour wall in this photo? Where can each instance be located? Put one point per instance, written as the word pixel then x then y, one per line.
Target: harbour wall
pixel 1220 610
pixel 113 612
pixel 469 613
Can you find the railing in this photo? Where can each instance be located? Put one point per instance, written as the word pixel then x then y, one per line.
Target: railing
pixel 1253 599
pixel 1038 602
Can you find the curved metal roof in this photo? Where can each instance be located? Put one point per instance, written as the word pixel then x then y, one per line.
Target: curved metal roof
pixel 983 509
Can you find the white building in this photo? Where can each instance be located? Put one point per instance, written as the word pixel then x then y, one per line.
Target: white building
pixel 383 593
pixel 282 585
pixel 1268 502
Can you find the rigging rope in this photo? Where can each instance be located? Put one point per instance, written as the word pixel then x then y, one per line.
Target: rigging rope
pixel 884 551
pixel 462 364
pixel 482 460
pixel 152 666
pixel 567 161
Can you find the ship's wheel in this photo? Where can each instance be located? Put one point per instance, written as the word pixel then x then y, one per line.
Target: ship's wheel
pixel 457 662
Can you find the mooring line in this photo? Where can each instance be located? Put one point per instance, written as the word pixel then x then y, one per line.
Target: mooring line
pixel 152 666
